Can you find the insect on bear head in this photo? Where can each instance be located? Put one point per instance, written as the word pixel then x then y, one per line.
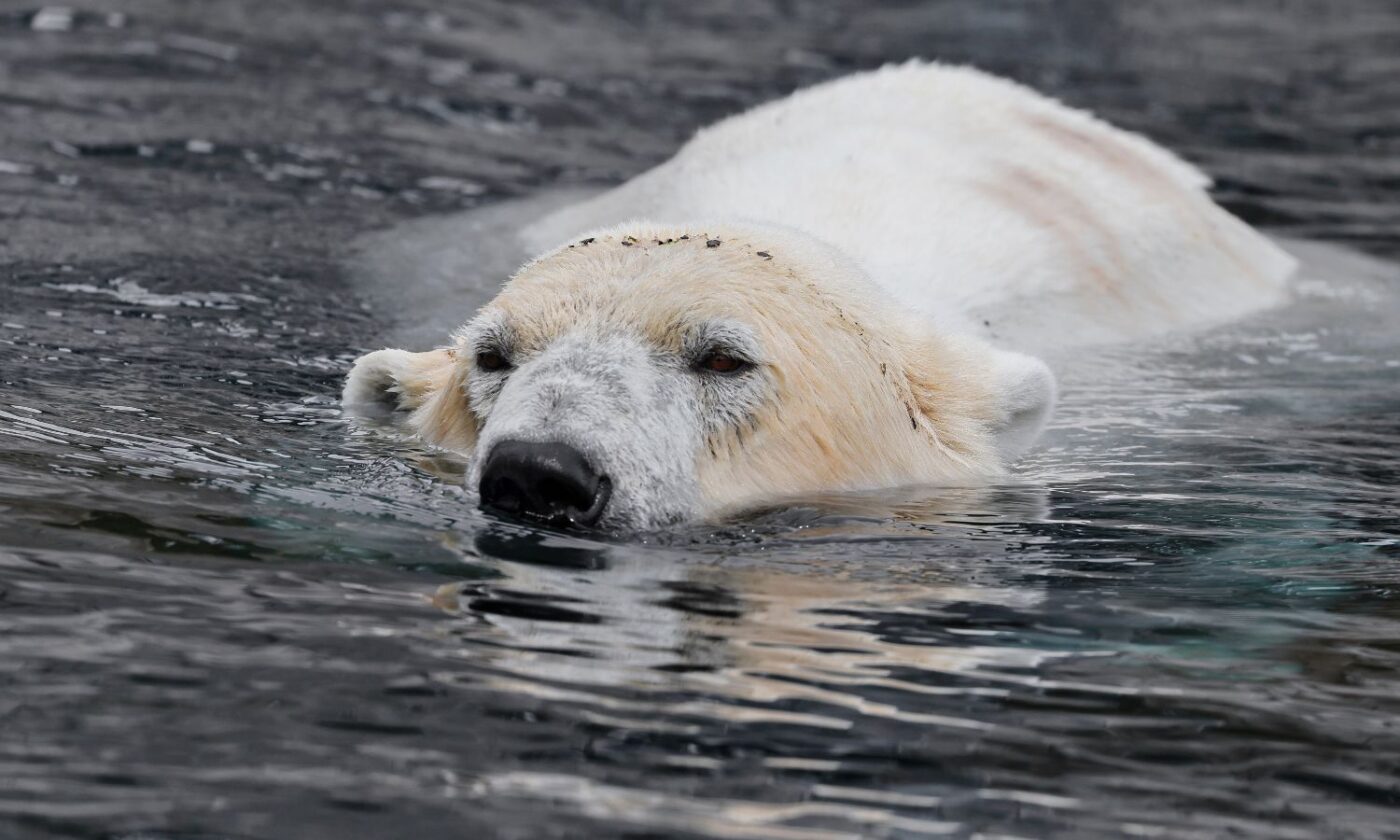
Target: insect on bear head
pixel 651 374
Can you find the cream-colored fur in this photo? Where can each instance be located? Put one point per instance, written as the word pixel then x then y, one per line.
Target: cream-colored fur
pixel 973 201
pixel 859 395
pixel 861 240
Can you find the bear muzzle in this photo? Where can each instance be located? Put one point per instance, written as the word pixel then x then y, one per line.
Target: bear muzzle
pixel 550 482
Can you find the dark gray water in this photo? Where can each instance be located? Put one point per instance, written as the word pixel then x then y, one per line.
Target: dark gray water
pixel 226 614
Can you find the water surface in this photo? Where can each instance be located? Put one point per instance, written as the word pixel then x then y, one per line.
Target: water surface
pixel 225 613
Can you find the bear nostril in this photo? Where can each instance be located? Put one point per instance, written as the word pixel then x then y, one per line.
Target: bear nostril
pixel 504 492
pixel 546 481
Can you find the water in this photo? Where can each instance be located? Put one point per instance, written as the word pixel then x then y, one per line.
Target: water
pixel 226 614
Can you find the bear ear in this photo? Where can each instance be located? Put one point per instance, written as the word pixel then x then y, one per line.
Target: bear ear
pixel 980 402
pixel 420 393
pixel 386 386
pixel 1023 389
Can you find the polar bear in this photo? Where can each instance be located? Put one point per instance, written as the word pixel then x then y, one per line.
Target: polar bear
pixel 839 290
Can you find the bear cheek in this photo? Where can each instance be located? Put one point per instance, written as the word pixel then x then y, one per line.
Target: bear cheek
pixel 735 469
pixel 715 489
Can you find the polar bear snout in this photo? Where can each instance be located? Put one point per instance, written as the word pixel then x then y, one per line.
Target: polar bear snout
pixel 595 427
pixel 551 482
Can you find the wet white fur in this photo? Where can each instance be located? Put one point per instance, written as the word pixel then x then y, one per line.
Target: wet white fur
pixel 932 200
pixel 916 172
pixel 604 394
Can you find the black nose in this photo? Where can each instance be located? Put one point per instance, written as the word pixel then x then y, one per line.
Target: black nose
pixel 548 481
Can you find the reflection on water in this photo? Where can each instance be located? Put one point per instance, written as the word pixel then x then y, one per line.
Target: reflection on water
pixel 226 614
pixel 1178 619
pixel 750 635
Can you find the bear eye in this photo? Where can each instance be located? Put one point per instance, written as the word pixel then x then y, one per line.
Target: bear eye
pixel 720 362
pixel 490 361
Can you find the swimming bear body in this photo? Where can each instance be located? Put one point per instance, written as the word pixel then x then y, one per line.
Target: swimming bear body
pixel 834 291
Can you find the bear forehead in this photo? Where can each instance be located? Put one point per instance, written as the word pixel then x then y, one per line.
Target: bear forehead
pixel 662 283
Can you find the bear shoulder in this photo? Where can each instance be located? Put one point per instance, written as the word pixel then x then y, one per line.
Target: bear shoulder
pixel 972 200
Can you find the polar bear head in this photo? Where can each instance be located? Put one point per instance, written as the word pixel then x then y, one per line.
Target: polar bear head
pixel 649 374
